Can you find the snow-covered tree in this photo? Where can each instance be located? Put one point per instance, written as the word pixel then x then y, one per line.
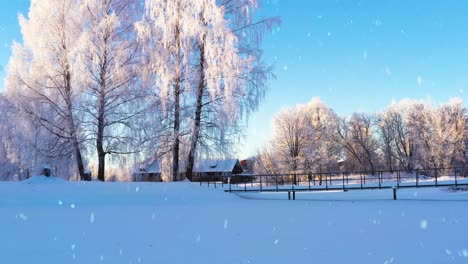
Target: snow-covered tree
pixel 198 59
pixel 108 71
pixel 167 32
pixel 41 75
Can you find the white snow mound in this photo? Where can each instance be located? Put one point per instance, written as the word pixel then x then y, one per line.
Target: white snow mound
pixel 41 179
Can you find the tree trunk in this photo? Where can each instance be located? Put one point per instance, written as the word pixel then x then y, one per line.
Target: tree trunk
pixel 177 88
pixel 73 132
pixel 100 149
pixel 198 114
pixel 176 146
pixel 101 120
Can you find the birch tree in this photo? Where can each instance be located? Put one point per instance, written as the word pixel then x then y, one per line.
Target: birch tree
pixel 109 57
pixel 167 31
pixel 41 71
pixel 232 78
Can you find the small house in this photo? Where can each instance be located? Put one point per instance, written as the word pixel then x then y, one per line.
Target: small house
pixel 216 170
pixel 150 173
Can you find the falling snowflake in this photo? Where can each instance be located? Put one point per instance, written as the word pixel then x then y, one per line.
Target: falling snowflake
pixel 419 80
pixel 464 253
pixel 91 218
pixel 225 223
pixel 22 217
pixel 388 72
pixel 423 224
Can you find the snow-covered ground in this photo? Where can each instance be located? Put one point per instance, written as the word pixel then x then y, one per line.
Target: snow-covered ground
pixel 47 220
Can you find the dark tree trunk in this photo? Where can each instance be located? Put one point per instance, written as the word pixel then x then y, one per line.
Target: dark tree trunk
pixel 177 91
pixel 73 132
pixel 101 119
pixel 198 114
pixel 176 146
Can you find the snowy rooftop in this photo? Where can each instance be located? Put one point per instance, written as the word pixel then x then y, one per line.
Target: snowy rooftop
pixel 154 167
pixel 216 165
pixel 207 165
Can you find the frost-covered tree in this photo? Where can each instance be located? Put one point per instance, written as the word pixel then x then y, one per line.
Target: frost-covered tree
pixel 357 138
pixel 291 131
pixel 108 71
pixel 321 152
pixel 232 77
pixel 397 140
pixel 41 75
pixel 166 32
pixel 198 62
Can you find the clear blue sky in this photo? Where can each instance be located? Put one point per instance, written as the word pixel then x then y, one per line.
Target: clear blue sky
pixel 355 55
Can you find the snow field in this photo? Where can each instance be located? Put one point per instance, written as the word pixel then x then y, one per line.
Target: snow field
pixel 51 221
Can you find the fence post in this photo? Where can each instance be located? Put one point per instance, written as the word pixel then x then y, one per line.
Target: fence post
pixel 343 183
pixel 260 183
pixel 417 178
pixel 380 180
pixel 229 184
pixel 436 177
pixel 245 186
pixel 398 176
pixel 456 182
pixel 309 177
pixel 326 182
pixel 360 177
pixel 394 193
pixel 276 179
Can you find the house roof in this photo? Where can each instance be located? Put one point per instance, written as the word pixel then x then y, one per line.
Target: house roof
pixel 154 167
pixel 217 165
pixel 212 165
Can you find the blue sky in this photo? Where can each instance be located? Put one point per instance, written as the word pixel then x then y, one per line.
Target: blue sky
pixel 354 55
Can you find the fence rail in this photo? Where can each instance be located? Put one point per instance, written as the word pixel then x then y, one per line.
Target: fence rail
pixel 301 182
